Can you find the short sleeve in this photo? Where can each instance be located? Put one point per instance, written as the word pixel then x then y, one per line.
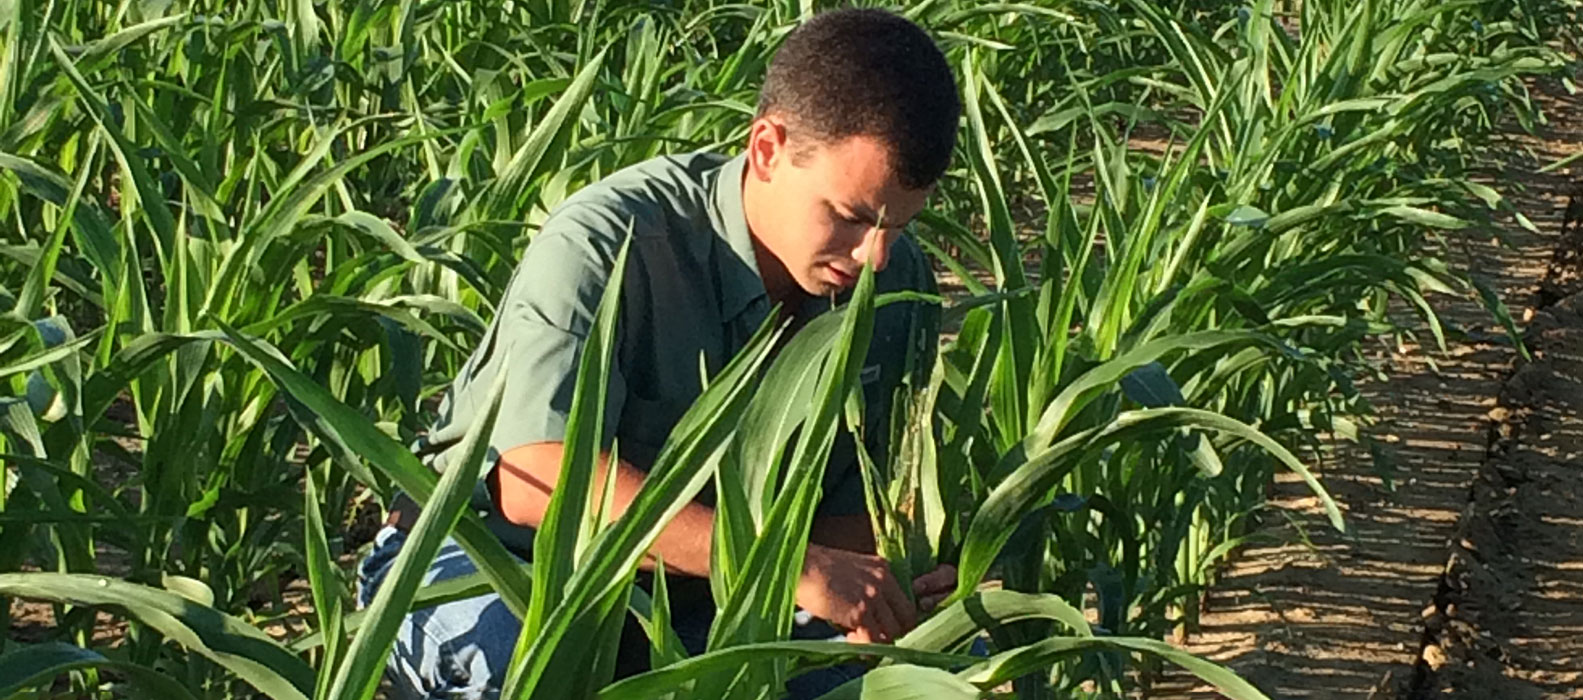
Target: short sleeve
pixel 543 325
pixel 537 338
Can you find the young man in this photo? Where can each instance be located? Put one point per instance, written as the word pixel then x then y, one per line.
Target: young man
pixel 857 119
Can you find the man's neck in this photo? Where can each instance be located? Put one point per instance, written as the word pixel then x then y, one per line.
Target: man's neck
pixel 778 283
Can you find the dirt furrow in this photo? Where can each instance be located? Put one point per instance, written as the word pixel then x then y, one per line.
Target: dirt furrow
pixel 1305 612
pixel 1507 620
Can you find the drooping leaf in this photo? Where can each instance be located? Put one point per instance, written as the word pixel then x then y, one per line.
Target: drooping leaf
pixel 233 644
pixel 34 664
pixel 1152 387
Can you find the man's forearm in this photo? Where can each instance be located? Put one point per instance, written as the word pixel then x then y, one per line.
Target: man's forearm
pixel 528 474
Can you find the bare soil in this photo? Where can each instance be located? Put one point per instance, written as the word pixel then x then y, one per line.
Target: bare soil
pixel 1508 616
pixel 1461 574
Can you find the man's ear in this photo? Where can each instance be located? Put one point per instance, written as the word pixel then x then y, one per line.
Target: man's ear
pixel 767 146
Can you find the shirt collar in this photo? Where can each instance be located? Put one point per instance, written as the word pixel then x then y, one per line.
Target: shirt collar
pixel 735 263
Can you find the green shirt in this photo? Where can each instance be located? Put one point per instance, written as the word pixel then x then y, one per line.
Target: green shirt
pixel 691 298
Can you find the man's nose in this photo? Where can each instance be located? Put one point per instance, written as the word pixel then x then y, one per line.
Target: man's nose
pixel 873 248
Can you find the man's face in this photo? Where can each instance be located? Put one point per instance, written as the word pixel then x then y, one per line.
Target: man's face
pixel 824 215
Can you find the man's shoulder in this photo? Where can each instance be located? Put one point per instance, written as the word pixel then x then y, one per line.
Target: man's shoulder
pixel 679 171
pixel 647 198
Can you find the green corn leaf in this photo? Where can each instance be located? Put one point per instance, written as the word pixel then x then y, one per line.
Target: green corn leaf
pixel 1030 480
pixel 290 203
pixel 101 51
pixel 1204 456
pixel 196 180
pixel 1497 308
pixel 501 201
pixel 566 530
pixel 665 647
pixel 34 288
pixel 1101 378
pixel 36 664
pixel 681 470
pixel 1020 342
pixel 954 624
pixel 48 356
pixel 730 659
pixel 1015 663
pixel 761 605
pixel 1562 163
pixel 382 232
pixel 190 588
pixel 91 232
pixel 1425 217
pixel 905 682
pixel 99 498
pixel 135 356
pixel 320 307
pixel 752 467
pixel 1297 216
pixel 153 205
pixel 325 583
pixel 1492 199
pixel 233 644
pixel 358 677
pixel 1247 215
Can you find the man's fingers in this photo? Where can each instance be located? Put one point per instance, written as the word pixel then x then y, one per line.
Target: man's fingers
pixel 935 586
pixel 943 578
pixel 883 617
pixel 906 615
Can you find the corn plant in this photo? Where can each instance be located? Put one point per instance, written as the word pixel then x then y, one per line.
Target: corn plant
pixel 245 244
pixel 1175 290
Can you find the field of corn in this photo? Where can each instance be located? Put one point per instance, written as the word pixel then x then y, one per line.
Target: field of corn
pixel 245 245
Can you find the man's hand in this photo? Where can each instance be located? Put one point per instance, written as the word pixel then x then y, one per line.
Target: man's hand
pixel 856 592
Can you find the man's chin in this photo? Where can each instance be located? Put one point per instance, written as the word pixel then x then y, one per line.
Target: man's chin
pixel 824 288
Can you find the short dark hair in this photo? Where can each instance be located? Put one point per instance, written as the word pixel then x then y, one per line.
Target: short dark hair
pixel 864 72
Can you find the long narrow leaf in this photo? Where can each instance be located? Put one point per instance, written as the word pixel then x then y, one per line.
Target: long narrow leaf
pixel 358 677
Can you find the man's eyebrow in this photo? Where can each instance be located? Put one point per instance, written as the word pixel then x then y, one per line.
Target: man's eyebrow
pixel 864 214
pixel 859 212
